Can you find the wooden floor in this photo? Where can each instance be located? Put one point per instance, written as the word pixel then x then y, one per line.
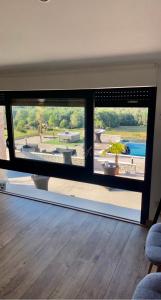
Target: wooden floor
pixel 53 252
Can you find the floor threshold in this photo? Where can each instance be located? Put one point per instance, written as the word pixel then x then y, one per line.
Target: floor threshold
pixel 76 208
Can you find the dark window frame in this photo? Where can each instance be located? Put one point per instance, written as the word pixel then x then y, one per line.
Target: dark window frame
pixel 127 97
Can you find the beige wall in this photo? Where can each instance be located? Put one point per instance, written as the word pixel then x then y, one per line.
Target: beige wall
pixel 111 76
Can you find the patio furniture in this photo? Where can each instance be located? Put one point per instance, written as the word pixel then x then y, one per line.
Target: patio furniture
pixel 41 182
pixel 98 135
pixel 149 287
pixel 30 148
pixel 67 154
pixel 69 137
pixel 153 247
pixel 61 150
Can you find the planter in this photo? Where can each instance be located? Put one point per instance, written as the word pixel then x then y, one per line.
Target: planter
pixel 41 182
pixel 110 169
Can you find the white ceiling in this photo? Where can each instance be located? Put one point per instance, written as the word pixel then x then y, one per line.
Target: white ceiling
pixel 74 32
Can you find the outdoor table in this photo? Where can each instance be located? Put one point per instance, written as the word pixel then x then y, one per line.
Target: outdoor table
pixel 60 150
pixel 98 135
pixel 69 137
pixel 67 154
pixel 30 148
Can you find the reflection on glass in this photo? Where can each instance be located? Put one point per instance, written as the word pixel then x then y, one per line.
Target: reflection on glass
pixel 3 135
pixel 48 133
pixel 120 141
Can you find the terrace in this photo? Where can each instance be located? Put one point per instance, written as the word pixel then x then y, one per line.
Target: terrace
pixel 130 165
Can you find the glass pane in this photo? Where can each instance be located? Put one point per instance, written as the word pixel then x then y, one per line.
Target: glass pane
pixel 116 202
pixel 50 133
pixel 4 153
pixel 120 141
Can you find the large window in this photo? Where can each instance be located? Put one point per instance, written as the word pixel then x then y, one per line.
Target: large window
pixel 102 137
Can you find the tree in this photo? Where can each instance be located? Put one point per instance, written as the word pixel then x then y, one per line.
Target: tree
pixel 107 119
pixel 76 120
pixel 31 120
pixel 113 168
pixel 21 114
pixel 40 121
pixel 21 126
pixel 63 123
pixel 54 119
pixel 99 123
pixel 115 148
pixel 127 119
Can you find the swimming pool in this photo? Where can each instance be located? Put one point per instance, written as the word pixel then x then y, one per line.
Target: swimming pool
pixel 136 149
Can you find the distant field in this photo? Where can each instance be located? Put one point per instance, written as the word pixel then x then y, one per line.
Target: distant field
pixel 19 134
pixel 127 132
pixel 130 129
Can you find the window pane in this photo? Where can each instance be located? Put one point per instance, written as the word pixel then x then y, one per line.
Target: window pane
pixel 4 154
pixel 50 133
pixel 120 141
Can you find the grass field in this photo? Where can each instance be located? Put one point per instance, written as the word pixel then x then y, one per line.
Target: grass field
pixel 21 135
pixel 129 132
pixel 56 142
pixel 126 132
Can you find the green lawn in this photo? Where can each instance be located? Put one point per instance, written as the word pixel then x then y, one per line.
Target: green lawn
pixel 56 142
pixel 129 132
pixel 21 135
pixel 126 132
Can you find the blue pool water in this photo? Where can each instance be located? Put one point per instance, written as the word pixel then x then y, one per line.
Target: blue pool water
pixel 136 149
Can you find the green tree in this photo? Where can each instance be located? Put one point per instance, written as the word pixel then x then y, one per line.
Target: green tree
pixel 40 121
pixel 76 120
pixel 31 120
pixel 21 126
pixel 115 148
pixel 54 119
pixel 127 119
pixel 64 123
pixel 107 119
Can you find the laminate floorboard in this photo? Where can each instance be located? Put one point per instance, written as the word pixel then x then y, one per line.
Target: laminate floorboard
pixel 50 252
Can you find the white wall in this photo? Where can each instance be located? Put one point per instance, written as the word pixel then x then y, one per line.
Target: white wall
pixel 112 76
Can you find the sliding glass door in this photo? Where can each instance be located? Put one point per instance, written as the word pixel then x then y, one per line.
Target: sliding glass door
pixel 102 137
